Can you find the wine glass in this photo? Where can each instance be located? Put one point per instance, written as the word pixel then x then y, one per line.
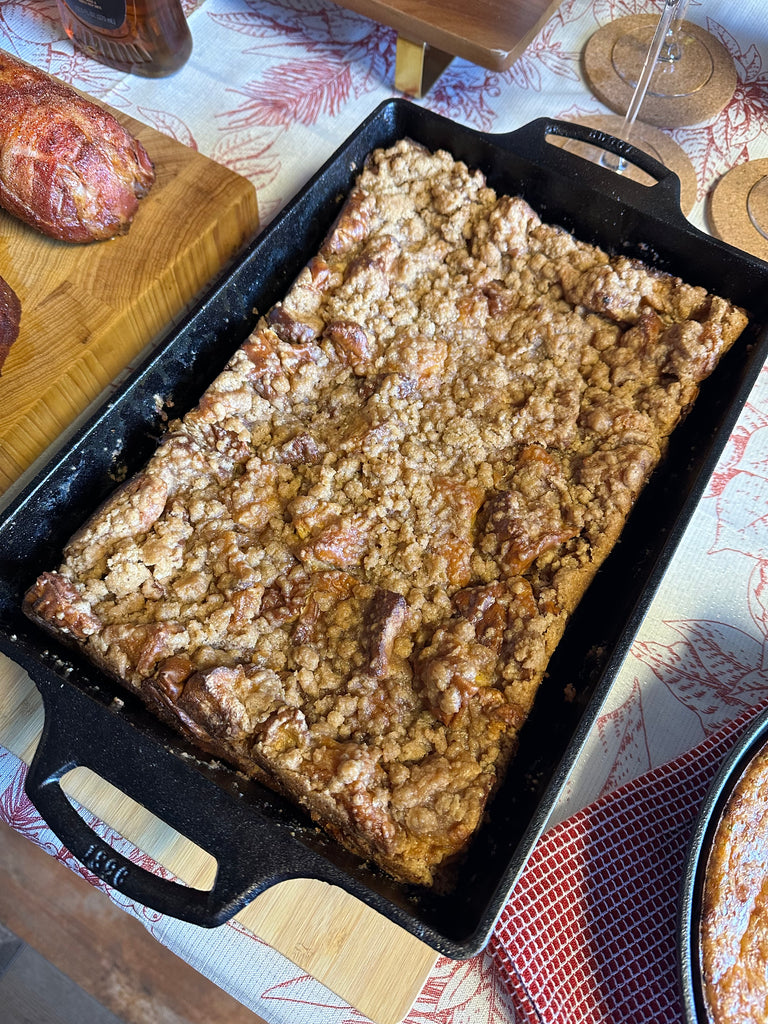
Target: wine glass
pixel 757 205
pixel 664 38
pixel 693 79
pixel 684 65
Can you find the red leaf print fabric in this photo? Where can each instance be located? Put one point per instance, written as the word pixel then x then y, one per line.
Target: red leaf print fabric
pixel 301 90
pixel 15 807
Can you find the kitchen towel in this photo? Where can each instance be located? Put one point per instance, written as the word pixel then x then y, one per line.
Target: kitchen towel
pixel 589 933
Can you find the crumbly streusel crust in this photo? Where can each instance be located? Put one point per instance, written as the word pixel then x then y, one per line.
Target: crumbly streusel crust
pixel 734 905
pixel 346 569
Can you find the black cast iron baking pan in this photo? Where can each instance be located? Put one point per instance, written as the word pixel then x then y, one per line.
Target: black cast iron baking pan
pixel 257 838
pixel 748 745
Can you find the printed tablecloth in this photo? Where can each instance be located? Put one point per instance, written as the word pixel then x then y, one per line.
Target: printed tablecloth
pixel 271 89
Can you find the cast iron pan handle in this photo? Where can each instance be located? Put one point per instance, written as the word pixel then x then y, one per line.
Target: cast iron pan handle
pixel 663 197
pixel 72 736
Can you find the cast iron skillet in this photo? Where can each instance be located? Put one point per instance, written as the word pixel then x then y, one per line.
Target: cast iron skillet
pixel 746 747
pixel 257 838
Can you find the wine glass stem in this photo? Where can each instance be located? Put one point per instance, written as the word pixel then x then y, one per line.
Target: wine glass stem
pixel 671 50
pixel 618 163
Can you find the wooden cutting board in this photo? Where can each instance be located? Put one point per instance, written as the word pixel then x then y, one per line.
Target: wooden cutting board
pixel 87 312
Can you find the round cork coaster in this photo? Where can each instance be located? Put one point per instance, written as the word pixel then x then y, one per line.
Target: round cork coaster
pixel 690 90
pixel 738 208
pixel 652 141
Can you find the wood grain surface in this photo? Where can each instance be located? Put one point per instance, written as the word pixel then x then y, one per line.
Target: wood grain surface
pixel 110 955
pixel 88 310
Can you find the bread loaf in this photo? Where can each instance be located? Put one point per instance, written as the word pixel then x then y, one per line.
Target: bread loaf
pixel 67 167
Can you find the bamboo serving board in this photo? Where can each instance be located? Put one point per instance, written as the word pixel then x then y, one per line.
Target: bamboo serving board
pixel 87 311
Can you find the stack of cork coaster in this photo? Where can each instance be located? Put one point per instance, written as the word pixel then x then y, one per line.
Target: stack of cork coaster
pixel 691 90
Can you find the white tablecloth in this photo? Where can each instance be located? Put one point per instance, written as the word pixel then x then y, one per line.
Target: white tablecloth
pixel 271 89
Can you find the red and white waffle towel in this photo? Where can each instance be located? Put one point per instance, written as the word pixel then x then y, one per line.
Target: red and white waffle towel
pixel 589 933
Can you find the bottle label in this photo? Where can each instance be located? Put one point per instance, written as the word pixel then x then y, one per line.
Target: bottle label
pixel 109 14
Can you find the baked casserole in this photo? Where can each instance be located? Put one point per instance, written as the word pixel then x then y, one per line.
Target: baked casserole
pixel 346 569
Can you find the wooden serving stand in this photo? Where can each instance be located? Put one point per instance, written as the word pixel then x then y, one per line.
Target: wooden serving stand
pixel 87 313
pixel 430 33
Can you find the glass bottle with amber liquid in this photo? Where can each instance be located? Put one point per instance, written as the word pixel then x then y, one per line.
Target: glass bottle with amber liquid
pixel 142 37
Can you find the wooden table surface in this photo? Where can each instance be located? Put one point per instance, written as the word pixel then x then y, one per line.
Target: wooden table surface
pixel 108 954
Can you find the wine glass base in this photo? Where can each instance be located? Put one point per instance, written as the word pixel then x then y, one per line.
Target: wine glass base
pixel 614 56
pixel 671 79
pixel 737 210
pixel 757 205
pixel 650 140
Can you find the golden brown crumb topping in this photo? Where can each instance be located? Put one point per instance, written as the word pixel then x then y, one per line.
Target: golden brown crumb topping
pixel 348 566
pixel 734 915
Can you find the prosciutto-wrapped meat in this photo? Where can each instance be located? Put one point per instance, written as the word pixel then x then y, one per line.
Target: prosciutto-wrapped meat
pixel 10 317
pixel 67 167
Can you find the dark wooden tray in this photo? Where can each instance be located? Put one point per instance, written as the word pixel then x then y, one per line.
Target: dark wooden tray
pixel 492 33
